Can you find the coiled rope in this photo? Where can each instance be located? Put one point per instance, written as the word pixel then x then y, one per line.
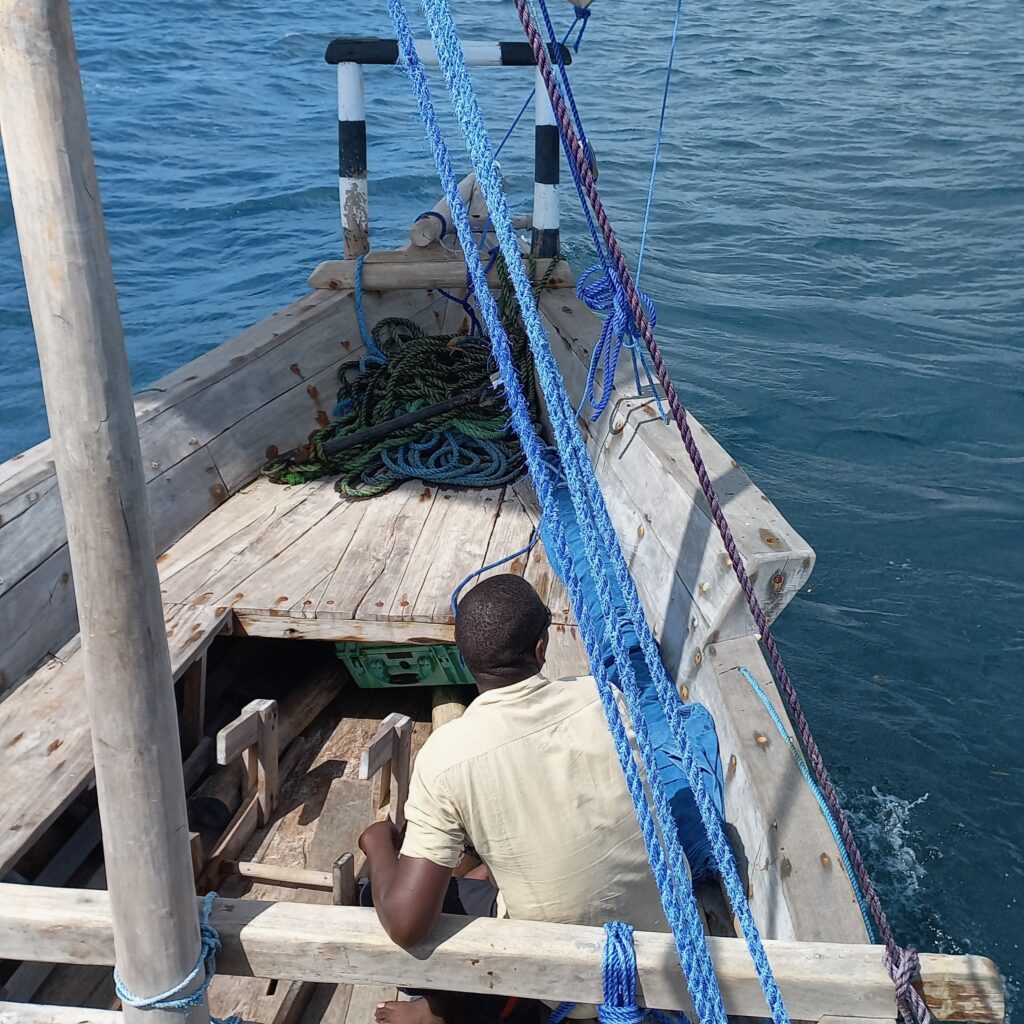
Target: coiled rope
pixel 619 977
pixel 407 369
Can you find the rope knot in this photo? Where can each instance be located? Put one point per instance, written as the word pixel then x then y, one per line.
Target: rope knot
pixel 903 970
pixel 175 999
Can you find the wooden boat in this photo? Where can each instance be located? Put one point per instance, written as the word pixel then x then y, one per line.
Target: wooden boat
pixel 281 750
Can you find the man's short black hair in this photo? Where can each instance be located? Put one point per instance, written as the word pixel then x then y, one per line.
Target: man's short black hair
pixel 498 624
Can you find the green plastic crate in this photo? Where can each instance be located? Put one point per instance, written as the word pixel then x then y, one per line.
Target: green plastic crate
pixel 377 666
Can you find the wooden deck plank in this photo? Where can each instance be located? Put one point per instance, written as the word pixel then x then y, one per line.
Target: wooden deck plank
pixel 219 576
pixel 539 572
pixel 512 531
pixel 46 740
pixel 451 546
pixel 285 583
pixel 379 553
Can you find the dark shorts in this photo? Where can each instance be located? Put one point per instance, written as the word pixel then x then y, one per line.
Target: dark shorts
pixel 472 897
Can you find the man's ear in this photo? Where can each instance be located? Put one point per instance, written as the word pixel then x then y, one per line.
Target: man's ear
pixel 541 650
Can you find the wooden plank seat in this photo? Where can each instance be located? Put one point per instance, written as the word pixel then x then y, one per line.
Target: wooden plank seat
pixel 277 561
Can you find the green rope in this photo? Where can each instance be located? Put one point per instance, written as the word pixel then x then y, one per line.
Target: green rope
pixel 471 444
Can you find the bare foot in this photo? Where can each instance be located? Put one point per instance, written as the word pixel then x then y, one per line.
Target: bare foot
pixel 417 1011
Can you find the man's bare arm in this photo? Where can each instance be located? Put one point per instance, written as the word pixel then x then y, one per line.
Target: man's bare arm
pixel 408 892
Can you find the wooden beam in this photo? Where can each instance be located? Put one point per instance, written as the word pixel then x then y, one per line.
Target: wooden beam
pixel 379 751
pixel 389 753
pixel 343 881
pixel 87 387
pixel 238 735
pixel 193 704
pixel 391 275
pixel 29 1013
pixel 448 703
pixel 381 631
pixel 276 874
pixel 309 942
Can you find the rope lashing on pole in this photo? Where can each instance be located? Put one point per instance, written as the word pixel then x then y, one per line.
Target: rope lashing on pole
pixel 180 999
pixel 901 963
pixel 599 542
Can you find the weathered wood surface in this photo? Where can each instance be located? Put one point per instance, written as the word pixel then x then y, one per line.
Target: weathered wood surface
pixel 21 1013
pixel 381 273
pixel 44 733
pixel 87 386
pixel 322 816
pixel 794 864
pixel 301 562
pixel 549 961
pixel 205 430
pixel 696 608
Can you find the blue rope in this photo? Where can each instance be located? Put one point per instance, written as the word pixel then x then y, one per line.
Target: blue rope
pixel 619 977
pixel 427 214
pixel 602 293
pixel 806 773
pixel 581 19
pixel 375 356
pixel 174 998
pixel 605 296
pixel 657 142
pixel 686 921
pixel 599 539
pixel 493 565
pixel 465 303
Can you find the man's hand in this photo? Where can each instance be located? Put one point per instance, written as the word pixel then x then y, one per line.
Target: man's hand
pixel 381 835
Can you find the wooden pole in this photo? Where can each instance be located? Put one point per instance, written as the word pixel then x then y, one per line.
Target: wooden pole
pixel 99 469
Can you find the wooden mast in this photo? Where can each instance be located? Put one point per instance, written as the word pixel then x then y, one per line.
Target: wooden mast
pixel 96 452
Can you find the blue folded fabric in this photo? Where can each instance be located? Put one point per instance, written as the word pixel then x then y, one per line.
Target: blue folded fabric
pixel 699 726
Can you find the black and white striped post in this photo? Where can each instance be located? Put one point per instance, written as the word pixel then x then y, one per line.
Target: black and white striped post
pixel 547 150
pixel 353 190
pixel 351 54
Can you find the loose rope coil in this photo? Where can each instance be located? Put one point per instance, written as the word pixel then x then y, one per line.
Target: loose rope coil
pixel 407 369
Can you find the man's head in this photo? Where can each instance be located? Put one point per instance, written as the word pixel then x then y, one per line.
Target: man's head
pixel 501 628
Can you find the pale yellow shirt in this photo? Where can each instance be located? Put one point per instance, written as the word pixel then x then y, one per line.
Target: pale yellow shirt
pixel 529 775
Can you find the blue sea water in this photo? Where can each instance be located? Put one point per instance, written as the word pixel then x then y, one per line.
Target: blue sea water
pixel 837 257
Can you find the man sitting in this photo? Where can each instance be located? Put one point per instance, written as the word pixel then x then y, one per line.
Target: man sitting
pixel 529 776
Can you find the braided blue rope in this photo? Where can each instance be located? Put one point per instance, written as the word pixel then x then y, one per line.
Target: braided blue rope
pixel 376 356
pixel 619 977
pixel 657 141
pixel 600 543
pixel 175 999
pixel 686 921
pixel 818 795
pixel 603 293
